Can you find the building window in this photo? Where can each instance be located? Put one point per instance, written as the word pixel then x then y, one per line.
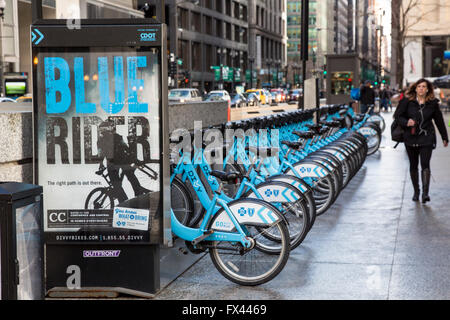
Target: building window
pixel 183 18
pixel 237 34
pixel 257 15
pixel 219 6
pixel 236 10
pixel 208 4
pixel 196 22
pixel 228 31
pixel 219 28
pixel 208 25
pixel 228 8
pixel 208 57
pixel 244 13
pixel 196 56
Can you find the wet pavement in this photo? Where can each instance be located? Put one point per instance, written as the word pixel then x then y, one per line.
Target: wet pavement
pixel 373 243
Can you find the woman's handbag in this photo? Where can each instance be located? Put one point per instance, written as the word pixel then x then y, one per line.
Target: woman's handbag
pixel 397 132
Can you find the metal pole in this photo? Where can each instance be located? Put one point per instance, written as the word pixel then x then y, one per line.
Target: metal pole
pixel 1 60
pixel 221 72
pixel 232 71
pixel 161 11
pixel 304 48
pixel 36 10
pixel 251 73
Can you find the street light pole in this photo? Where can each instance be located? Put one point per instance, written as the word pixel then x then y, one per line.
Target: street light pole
pixel 304 48
pixel 269 64
pixel 221 52
pixel 2 8
pixel 251 60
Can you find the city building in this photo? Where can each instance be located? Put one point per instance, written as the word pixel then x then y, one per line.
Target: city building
pixel 205 36
pixel 426 40
pixel 15 36
pixel 267 41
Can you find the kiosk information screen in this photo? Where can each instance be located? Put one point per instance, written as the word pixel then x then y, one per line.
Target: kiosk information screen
pixel 98 119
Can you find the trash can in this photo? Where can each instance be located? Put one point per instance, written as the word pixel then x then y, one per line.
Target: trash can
pixel 21 239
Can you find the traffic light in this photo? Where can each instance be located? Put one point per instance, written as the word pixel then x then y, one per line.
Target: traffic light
pixel 173 69
pixel 187 77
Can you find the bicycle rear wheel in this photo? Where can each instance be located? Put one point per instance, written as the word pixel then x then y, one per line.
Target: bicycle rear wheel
pixel 181 201
pixel 255 266
pixel 99 198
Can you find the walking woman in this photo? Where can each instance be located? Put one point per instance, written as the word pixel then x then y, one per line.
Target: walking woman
pixel 415 114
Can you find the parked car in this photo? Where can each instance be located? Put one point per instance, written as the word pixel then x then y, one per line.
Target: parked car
pixel 279 95
pixel 5 99
pixel 238 101
pixel 294 95
pixel 443 83
pixel 268 96
pixel 252 99
pixel 184 95
pixel 25 98
pixel 218 94
pixel 259 94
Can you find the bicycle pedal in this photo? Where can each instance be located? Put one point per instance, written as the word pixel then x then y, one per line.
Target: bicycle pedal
pixel 205 235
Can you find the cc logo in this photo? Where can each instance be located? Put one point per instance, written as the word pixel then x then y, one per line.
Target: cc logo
pixel 55 217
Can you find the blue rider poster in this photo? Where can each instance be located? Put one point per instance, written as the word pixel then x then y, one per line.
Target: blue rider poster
pixel 98 155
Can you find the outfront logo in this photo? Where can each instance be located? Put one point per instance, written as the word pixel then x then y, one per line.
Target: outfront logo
pixel 148 36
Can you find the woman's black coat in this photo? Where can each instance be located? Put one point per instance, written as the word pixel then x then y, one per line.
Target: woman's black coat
pixel 425 134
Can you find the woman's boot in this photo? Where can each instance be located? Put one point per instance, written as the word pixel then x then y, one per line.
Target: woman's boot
pixel 415 182
pixel 425 185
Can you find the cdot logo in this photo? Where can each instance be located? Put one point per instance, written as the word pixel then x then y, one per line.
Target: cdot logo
pixel 148 36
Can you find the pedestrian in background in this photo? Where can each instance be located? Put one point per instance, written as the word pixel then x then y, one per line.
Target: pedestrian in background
pixel 367 97
pixel 384 98
pixel 415 114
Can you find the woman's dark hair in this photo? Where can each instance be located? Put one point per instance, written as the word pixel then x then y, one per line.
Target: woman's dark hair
pixel 411 92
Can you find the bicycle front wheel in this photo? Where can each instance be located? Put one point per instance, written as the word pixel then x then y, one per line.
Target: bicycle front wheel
pixel 255 266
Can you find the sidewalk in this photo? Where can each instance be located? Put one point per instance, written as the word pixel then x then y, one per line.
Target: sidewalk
pixel 373 243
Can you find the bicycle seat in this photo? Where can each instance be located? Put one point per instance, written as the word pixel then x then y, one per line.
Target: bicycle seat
pixel 334 123
pixel 100 171
pixel 304 134
pixel 230 177
pixel 314 127
pixel 324 129
pixel 292 144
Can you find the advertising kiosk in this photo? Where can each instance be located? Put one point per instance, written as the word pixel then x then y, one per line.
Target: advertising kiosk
pixel 100 111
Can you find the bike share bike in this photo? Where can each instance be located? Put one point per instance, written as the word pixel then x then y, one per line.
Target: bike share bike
pixel 335 154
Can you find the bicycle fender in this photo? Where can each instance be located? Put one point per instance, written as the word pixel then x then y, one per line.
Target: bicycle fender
pixel 246 211
pixel 309 169
pixel 367 131
pixel 292 180
pixel 275 191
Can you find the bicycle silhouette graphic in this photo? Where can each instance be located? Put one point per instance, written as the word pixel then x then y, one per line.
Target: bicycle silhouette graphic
pixel 107 197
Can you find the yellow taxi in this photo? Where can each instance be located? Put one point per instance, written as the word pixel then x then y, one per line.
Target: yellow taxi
pixel 259 93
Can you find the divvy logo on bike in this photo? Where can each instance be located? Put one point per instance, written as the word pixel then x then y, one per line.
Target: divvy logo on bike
pixel 148 36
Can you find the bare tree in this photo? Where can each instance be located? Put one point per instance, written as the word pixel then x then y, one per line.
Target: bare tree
pixel 405 15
